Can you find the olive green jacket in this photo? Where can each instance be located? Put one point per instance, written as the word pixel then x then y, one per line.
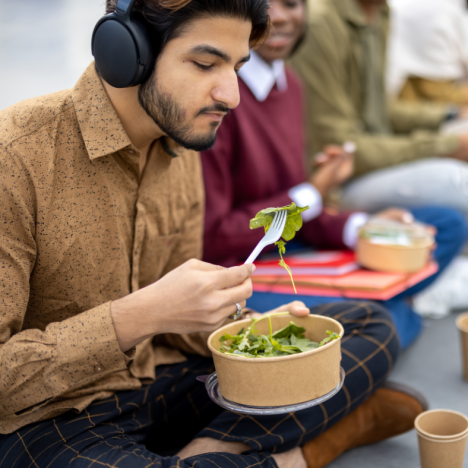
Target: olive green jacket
pixel 331 64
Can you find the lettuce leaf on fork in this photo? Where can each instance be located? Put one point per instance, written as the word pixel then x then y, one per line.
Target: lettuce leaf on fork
pixel 264 219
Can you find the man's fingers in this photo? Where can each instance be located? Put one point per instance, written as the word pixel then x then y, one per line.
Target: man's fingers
pixel 203 266
pixel 223 300
pixel 239 293
pixel 296 308
pixel 219 318
pixel 230 309
pixel 233 308
pixel 230 277
pixel 299 310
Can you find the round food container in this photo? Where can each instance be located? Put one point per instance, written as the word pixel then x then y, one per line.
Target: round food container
pixel 283 380
pixel 394 247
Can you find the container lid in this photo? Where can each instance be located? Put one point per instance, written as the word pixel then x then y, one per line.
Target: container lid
pixel 386 232
pixel 212 387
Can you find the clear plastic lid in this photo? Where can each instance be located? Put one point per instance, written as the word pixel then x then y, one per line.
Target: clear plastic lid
pixel 387 232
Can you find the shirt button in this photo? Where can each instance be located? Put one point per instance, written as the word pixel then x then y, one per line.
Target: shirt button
pixel 97 368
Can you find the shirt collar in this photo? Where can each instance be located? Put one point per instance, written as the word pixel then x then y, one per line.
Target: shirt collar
pixel 101 129
pixel 260 77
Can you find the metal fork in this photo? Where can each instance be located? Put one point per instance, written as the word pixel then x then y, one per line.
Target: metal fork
pixel 272 236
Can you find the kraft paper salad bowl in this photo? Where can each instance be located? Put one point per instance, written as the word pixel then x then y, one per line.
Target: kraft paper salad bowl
pixel 394 247
pixel 283 380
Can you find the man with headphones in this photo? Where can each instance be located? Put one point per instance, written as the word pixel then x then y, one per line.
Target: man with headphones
pixel 104 311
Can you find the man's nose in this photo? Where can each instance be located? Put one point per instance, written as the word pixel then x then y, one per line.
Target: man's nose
pixel 227 92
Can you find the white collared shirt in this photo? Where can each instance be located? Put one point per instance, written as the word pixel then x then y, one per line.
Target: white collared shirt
pixel 261 77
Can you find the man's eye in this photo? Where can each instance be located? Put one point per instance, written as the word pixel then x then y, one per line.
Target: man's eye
pixel 292 4
pixel 203 67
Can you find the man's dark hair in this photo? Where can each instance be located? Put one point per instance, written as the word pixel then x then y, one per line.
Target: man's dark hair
pixel 168 18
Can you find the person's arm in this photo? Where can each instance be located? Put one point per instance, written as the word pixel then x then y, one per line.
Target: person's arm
pixel 326 231
pixel 192 298
pixel 332 115
pixel 39 365
pixel 417 89
pixel 228 238
pixel 406 117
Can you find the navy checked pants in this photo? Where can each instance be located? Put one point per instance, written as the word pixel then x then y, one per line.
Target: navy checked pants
pixel 145 428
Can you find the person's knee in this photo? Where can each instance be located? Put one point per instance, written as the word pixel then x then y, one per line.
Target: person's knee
pixel 352 310
pixel 365 318
pixel 457 227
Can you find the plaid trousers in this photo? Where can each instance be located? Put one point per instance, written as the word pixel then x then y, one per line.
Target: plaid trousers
pixel 146 427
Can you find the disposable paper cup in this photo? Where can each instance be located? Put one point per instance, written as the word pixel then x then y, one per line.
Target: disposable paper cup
pixel 283 380
pixel 462 325
pixel 442 438
pixel 393 258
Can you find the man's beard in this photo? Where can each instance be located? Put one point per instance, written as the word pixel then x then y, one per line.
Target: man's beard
pixel 169 115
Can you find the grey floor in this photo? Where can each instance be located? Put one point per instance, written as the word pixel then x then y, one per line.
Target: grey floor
pixel 45 46
pixel 433 366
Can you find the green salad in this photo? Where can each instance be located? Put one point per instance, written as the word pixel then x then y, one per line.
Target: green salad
pixel 289 340
pixel 264 219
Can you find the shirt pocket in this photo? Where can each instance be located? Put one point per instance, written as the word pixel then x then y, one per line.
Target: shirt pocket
pixel 155 255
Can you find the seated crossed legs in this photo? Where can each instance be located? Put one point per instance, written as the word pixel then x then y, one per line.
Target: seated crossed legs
pixel 131 428
pixel 101 203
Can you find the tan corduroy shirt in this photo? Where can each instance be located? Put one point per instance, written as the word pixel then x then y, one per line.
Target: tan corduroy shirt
pixel 78 229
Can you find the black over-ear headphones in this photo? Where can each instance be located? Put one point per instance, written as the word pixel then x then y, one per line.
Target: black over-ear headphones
pixel 121 46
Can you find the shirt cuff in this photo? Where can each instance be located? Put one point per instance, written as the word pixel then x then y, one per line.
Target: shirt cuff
pixel 306 194
pixel 351 228
pixel 87 349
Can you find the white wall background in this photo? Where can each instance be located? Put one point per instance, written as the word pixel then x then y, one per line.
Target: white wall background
pixel 45 45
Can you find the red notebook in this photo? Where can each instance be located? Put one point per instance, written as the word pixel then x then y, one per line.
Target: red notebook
pixel 329 263
pixel 359 284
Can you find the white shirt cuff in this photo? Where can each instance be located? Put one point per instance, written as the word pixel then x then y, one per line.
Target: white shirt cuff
pixel 351 228
pixel 306 194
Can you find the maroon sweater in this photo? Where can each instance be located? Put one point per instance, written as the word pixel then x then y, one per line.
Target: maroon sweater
pixel 257 158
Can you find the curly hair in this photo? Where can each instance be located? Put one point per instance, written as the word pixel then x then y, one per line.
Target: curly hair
pixel 168 18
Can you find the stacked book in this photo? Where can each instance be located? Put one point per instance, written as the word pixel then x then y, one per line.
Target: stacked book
pixel 333 274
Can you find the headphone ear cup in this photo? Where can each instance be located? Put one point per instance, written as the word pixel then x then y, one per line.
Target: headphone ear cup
pixel 122 50
pixel 145 49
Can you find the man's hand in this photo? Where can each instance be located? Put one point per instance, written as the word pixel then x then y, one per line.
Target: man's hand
pixel 296 308
pixel 195 297
pixel 404 216
pixel 334 166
